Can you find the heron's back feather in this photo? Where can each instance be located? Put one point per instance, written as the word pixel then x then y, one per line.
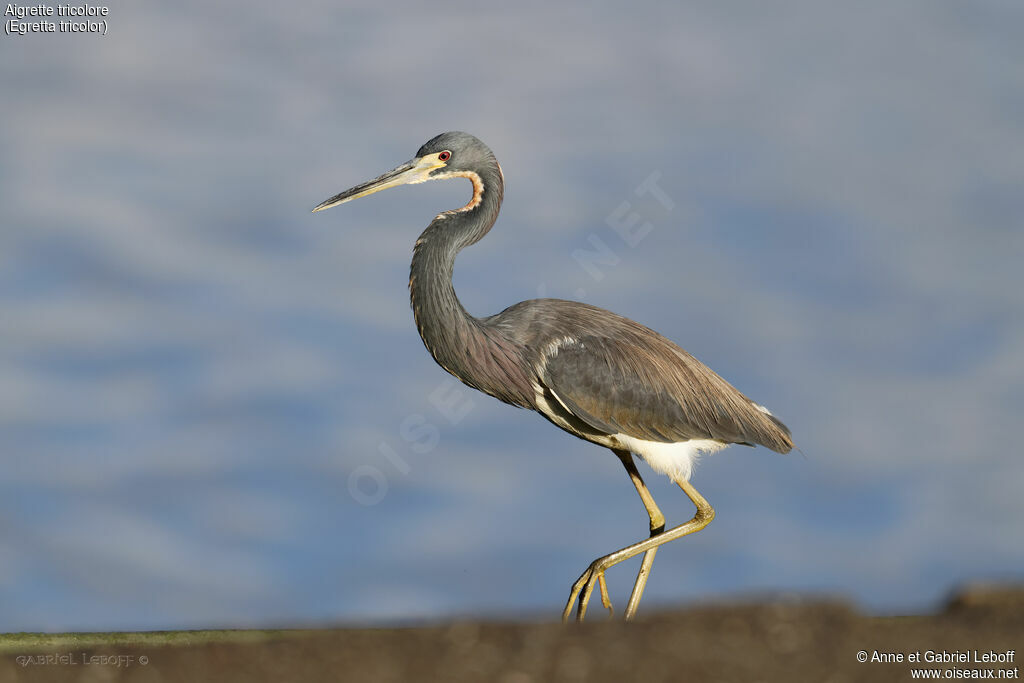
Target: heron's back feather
pixel 618 376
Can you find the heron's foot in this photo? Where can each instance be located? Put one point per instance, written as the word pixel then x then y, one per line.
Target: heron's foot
pixel 584 588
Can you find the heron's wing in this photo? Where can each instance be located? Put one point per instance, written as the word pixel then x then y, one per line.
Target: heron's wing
pixel 648 388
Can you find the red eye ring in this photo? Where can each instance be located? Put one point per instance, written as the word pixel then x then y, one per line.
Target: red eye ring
pixel 444 156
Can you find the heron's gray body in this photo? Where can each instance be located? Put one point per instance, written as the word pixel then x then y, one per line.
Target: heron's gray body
pixel 595 374
pixel 603 377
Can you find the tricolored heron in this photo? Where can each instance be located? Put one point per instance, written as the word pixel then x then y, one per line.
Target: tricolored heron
pixel 597 375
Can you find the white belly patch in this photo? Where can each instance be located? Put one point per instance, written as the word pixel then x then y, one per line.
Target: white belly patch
pixel 673 459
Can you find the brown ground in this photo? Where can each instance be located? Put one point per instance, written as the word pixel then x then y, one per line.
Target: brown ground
pixel 772 641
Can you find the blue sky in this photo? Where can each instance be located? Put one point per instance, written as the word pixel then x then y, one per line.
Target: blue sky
pixel 207 392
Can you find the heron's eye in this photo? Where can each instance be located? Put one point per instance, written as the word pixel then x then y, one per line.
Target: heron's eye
pixel 444 156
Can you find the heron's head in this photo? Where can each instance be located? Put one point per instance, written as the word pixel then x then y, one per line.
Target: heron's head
pixel 449 155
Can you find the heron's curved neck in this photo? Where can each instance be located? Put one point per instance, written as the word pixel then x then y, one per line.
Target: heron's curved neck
pixel 440 317
pixel 454 337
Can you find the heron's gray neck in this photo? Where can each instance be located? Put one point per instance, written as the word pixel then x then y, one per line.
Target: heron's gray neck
pixel 460 343
pixel 442 321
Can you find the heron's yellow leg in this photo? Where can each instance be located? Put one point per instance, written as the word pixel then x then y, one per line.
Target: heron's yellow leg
pixel 657 526
pixel 605 600
pixel 584 586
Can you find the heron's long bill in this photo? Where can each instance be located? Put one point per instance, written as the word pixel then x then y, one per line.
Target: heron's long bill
pixel 413 171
